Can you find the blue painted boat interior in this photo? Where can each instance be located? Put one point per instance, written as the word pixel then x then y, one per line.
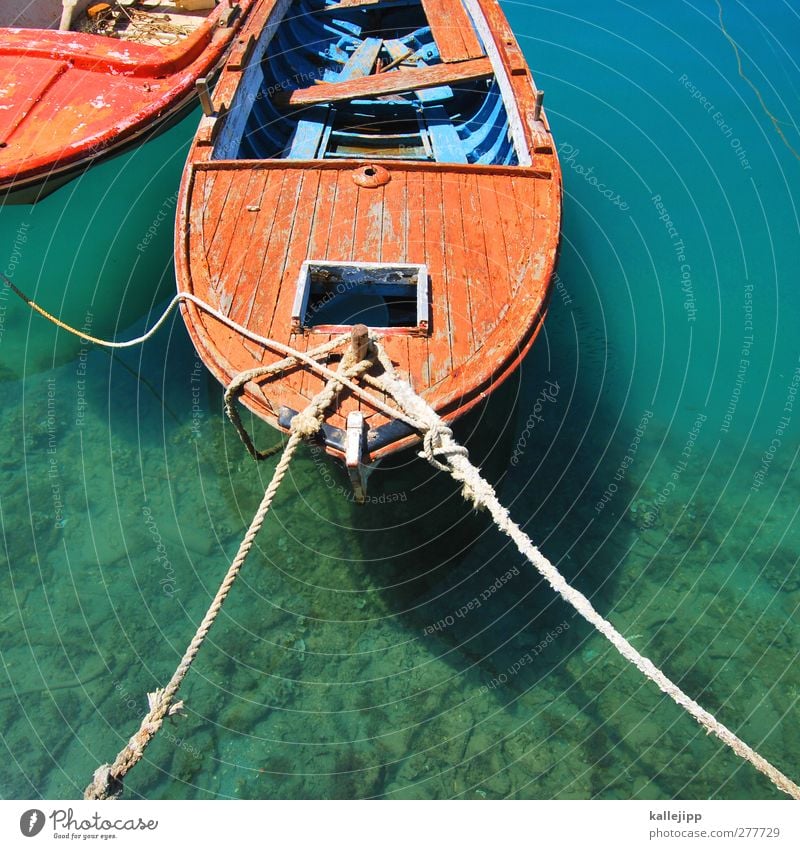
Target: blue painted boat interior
pixel 318 41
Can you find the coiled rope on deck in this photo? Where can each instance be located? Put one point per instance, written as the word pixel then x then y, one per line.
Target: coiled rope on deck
pixel 444 453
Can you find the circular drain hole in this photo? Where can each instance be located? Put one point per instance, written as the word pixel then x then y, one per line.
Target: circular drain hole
pixel 371 176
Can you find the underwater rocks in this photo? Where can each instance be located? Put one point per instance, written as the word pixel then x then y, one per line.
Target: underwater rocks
pixel 643 514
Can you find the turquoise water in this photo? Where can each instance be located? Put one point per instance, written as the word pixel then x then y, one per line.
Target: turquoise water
pixel 652 455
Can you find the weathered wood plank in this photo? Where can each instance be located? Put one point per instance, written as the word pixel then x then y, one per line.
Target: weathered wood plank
pixel 392 82
pixel 340 238
pixel 483 311
pixel 239 255
pixel 317 248
pixel 462 332
pixel 535 215
pixel 494 241
pixel 273 260
pixel 452 30
pixel 369 216
pixel 218 250
pixel 295 252
pixel 446 143
pixel 361 63
pixel 419 351
pixel 509 222
pixel 214 202
pixel 440 348
pixel 394 248
pixel 267 255
pixel 308 133
pixel 347 4
pixel 249 242
pixel 397 49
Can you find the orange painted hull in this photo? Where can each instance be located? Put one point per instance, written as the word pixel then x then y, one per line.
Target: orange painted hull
pixel 70 98
pixel 488 235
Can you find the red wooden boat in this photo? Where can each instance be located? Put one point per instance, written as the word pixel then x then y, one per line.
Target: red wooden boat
pixel 71 95
pixel 385 162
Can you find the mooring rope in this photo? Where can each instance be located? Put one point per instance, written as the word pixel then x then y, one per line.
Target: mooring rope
pixel 439 445
pixel 444 453
pixel 107 781
pixel 307 357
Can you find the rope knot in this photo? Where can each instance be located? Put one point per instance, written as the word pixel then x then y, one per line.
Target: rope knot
pixel 307 422
pixel 437 442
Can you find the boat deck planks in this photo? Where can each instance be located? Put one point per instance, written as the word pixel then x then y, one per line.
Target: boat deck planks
pixel 455 271
pixel 294 252
pixel 286 209
pixel 441 362
pixel 488 235
pixel 495 241
pixel 415 239
pixel 320 235
pixel 305 217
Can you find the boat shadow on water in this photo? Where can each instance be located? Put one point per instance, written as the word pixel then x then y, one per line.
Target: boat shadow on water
pixel 417 566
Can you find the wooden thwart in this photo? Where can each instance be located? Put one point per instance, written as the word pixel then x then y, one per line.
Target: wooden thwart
pixel 452 30
pixel 395 82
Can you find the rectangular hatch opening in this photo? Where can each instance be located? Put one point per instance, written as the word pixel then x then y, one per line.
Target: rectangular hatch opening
pixel 333 296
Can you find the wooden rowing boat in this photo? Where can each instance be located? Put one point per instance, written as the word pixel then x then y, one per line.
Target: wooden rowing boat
pixel 69 96
pixel 385 162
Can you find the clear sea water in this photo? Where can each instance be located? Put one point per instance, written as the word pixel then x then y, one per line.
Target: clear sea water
pixel 658 472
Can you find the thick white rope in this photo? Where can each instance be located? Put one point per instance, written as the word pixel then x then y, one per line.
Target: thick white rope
pixel 107 781
pixel 441 449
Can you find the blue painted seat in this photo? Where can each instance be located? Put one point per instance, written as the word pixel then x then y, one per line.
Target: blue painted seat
pixel 444 137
